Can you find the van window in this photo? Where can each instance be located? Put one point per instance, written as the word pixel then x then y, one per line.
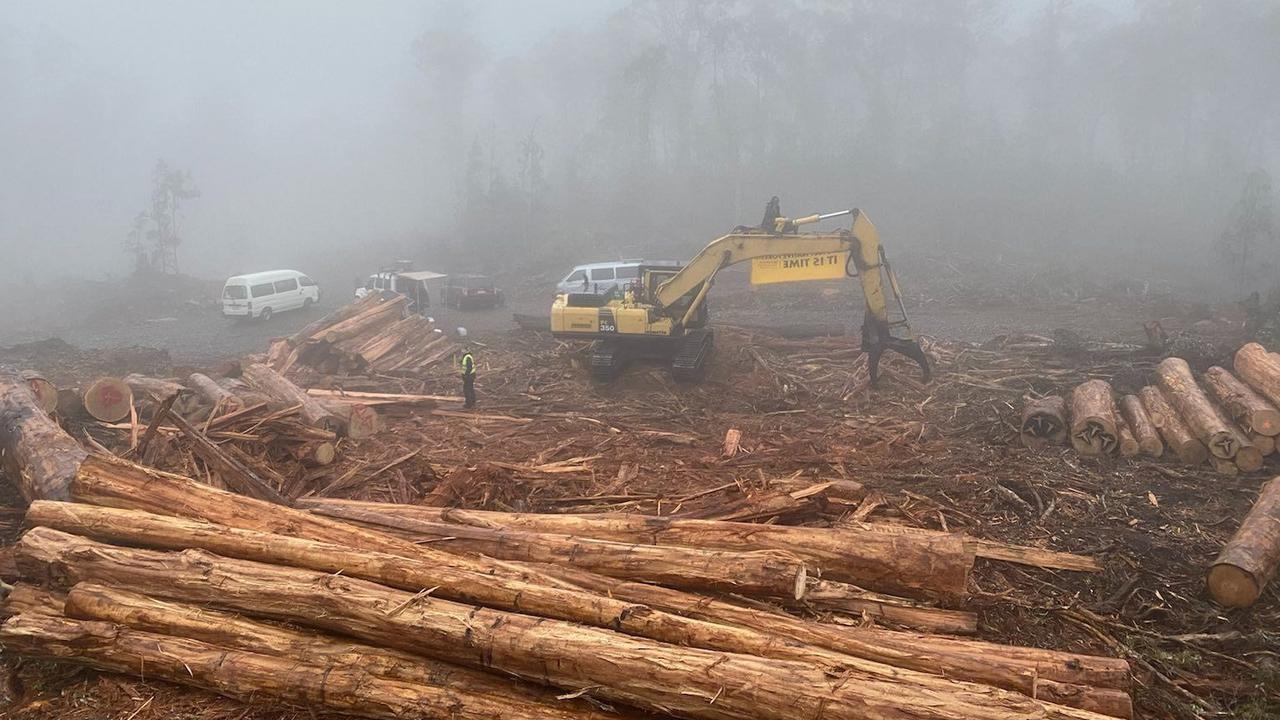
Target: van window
pixel 601 274
pixel 235 292
pixel 305 281
pixel 263 290
pixel 628 271
pixel 576 276
pixel 286 285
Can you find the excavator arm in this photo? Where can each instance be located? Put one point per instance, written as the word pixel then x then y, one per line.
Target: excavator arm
pixel 778 237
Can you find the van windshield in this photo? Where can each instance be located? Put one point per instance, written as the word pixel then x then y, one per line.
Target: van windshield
pixel 235 292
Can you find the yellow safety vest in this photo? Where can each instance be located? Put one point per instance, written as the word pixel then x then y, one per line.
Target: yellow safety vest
pixel 468 364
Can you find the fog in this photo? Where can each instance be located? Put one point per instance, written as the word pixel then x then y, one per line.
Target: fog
pixel 496 135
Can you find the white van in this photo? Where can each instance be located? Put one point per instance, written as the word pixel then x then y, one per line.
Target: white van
pixel 602 277
pixel 261 295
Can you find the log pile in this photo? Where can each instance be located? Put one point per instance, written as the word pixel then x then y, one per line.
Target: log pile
pixel 1229 420
pixel 371 335
pixel 153 573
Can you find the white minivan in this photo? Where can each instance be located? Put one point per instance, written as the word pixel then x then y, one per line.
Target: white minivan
pixel 262 294
pixel 601 278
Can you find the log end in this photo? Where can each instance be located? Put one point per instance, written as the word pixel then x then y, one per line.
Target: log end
pixel 108 399
pixel 1265 422
pixel 1249 459
pixel 1232 586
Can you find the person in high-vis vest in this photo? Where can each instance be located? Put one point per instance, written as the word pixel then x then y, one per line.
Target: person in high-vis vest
pixel 469 378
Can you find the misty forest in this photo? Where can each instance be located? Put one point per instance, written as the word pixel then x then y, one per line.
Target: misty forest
pixel 705 359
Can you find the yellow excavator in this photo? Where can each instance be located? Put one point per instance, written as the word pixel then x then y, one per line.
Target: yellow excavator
pixel 663 315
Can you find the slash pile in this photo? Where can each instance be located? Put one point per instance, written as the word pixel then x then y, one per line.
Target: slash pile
pixel 510 615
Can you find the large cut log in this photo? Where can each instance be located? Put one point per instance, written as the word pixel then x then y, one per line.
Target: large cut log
pixel 1206 423
pixel 571 604
pixel 1249 559
pixel 144 387
pixel 1096 683
pixel 281 389
pixel 1044 422
pixel 108 399
pixel 922 564
pixel 215 394
pixel 653 676
pixel 1144 431
pixel 1249 409
pixel 841 553
pixel 251 676
pixel 1093 419
pixel 1177 436
pixel 1260 370
pixel 761 572
pixel 45 392
pixel 36 455
pixel 88 601
pixel 380 398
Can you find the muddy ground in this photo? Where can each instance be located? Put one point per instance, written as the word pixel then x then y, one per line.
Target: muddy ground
pixel 941 456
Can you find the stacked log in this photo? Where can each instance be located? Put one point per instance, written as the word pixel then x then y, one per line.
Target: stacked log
pixel 338 578
pixel 1249 560
pixel 128 556
pixel 1177 436
pixel 108 399
pixel 1208 425
pixel 1139 421
pixel 279 388
pixel 369 335
pixel 45 392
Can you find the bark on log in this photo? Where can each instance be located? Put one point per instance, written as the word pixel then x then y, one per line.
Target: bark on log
pixel 1093 419
pixel 1044 422
pixel 934 564
pixel 45 392
pixel 653 676
pixel 108 399
pixel 824 547
pixel 829 595
pixel 570 604
pixel 89 601
pixel 975 660
pixel 1144 431
pixel 1260 370
pixel 215 394
pixel 760 572
pixel 1206 423
pixel 380 398
pixel 251 676
pixel 279 388
pixel 1249 409
pixel 144 387
pixel 1177 436
pixel 37 456
pixel 1249 559
pixel 26 599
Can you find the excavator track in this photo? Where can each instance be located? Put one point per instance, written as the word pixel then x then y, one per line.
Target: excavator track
pixel 607 359
pixel 690 361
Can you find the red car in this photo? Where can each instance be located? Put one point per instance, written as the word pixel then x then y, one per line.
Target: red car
pixel 471 291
